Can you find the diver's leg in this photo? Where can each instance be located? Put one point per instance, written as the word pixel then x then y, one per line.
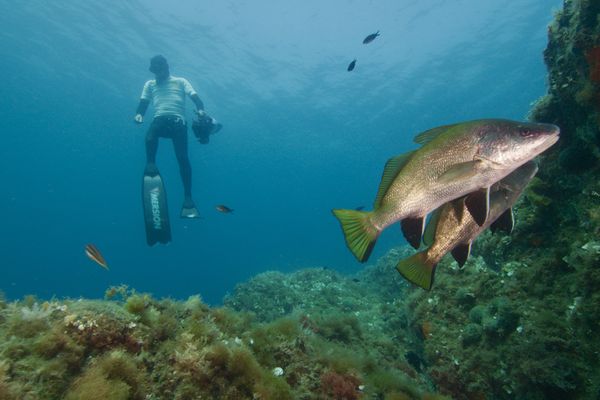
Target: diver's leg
pixel 180 144
pixel 151 148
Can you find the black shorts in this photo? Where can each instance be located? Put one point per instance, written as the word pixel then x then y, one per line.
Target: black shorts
pixel 168 126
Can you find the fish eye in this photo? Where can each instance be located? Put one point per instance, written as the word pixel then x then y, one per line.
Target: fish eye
pixel 525 132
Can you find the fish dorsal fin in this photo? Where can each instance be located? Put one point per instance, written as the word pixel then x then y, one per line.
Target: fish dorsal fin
pixel 429 234
pixel 390 171
pixel 461 253
pixel 504 222
pixel 429 135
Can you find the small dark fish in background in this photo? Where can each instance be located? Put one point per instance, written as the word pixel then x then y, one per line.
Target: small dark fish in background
pixel 352 65
pixel 94 254
pixel 370 37
pixel 360 208
pixel 224 209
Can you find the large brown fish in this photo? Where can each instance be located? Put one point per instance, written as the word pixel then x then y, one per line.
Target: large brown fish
pixel 454 161
pixel 452 228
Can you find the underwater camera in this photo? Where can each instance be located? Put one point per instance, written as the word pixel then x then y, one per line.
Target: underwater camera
pixel 204 126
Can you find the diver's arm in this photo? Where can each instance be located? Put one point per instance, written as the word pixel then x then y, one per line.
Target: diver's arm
pixel 142 107
pixel 199 104
pixel 141 110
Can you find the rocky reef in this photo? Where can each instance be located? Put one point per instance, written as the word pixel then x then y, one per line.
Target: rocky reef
pixel 324 336
pixel 518 321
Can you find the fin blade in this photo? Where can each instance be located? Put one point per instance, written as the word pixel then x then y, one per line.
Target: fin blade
pixel 505 222
pixel 418 270
pixel 390 172
pixel 359 233
pixel 461 253
pixel 478 204
pixel 412 228
pixel 156 210
pixel 427 136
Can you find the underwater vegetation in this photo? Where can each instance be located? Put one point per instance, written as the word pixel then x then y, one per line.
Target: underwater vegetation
pixel 131 346
pixel 518 321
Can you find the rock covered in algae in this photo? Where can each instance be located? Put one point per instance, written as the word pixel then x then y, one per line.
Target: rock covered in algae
pixel 133 346
pixel 528 330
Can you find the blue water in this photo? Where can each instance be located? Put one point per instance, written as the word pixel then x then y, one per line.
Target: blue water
pixel 302 135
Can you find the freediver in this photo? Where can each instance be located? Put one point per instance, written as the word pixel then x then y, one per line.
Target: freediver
pixel 167 94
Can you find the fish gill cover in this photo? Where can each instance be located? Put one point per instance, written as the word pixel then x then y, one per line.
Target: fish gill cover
pixel 518 321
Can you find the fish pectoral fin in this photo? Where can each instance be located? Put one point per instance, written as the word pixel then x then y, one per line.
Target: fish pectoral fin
pixel 390 172
pixel 412 228
pixel 461 171
pixel 505 222
pixel 461 253
pixel 478 204
pixel 418 269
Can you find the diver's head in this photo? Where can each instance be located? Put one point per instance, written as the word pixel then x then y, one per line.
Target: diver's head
pixel 159 67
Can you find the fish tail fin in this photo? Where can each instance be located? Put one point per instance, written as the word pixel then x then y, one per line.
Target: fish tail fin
pixel 418 269
pixel 359 232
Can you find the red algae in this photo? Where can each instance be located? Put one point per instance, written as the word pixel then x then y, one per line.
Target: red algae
pixel 340 386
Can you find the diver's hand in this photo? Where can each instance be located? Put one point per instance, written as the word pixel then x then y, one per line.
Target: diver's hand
pixel 138 118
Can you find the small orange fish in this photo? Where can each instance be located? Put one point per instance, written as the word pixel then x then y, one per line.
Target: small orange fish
pixel 94 254
pixel 224 209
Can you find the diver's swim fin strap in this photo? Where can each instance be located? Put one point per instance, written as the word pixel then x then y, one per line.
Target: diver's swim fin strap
pixel 189 213
pixel 156 212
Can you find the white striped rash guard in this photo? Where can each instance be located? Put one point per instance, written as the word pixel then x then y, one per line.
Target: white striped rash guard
pixel 168 96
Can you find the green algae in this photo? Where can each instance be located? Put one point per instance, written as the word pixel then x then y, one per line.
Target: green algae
pixel 137 303
pixel 339 328
pixel 115 375
pixel 499 330
pixel 88 349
